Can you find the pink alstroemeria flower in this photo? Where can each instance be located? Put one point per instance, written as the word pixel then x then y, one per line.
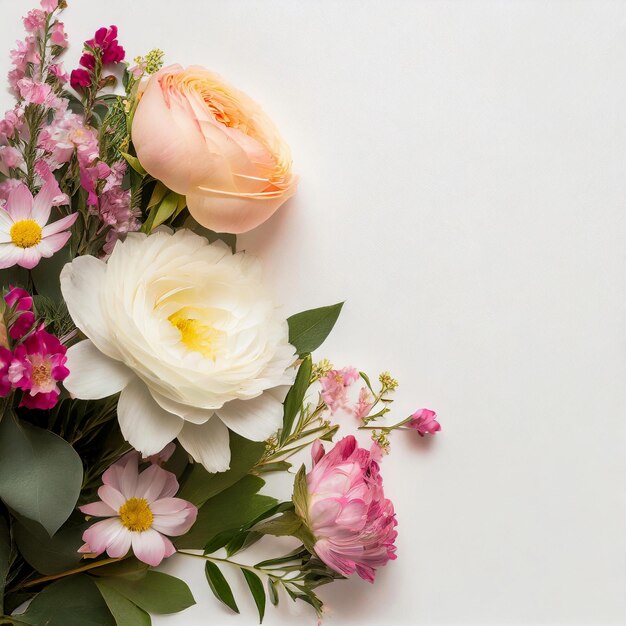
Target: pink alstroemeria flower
pixel 25 235
pixel 424 421
pixel 141 510
pixel 38 365
pixel 347 512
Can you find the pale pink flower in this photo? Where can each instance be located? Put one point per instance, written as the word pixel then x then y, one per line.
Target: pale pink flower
pixel 25 235
pixel 346 510
pixel 34 21
pixel 10 158
pixel 164 456
pixel 56 69
pixel 38 365
pixel 364 404
pixel 58 36
pixel 13 122
pixel 24 53
pixel 44 172
pixel 35 92
pixel 424 421
pixel 141 511
pixel 49 5
pixel 68 133
pixel 335 386
pixel 6 187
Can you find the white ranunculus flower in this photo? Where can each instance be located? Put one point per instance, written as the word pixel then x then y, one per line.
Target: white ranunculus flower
pixel 187 333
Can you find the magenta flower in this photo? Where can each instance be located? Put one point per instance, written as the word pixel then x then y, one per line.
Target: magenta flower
pixel 21 304
pixel 140 511
pixel 424 421
pixel 105 40
pixel 346 510
pixel 25 235
pixel 38 365
pixel 335 386
pixel 87 60
pixel 6 356
pixel 79 79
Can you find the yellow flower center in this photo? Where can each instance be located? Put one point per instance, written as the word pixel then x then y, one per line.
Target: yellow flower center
pixel 135 514
pixel 195 334
pixel 25 233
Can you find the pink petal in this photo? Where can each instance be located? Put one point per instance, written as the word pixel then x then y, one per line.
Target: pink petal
pixel 5 221
pixel 30 257
pixel 155 483
pixel 169 547
pixel 49 245
pixel 111 496
pixel 149 547
pixel 102 534
pixel 342 565
pixel 167 506
pixel 10 255
pixel 20 203
pixel 98 509
pixel 113 475
pixel 56 227
pixel 43 204
pixel 120 546
pixel 129 480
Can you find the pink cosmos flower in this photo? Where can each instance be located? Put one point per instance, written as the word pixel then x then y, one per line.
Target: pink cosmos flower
pixel 25 235
pixel 364 404
pixel 335 385
pixel 347 512
pixel 105 39
pixel 140 511
pixel 38 365
pixel 424 421
pixel 6 356
pixel 21 303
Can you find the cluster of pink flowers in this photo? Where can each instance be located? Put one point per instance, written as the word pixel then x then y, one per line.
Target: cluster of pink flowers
pixel 347 512
pixel 140 509
pixel 335 385
pixel 37 362
pixel 104 44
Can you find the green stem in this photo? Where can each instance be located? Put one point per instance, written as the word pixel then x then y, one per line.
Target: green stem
pixel 215 559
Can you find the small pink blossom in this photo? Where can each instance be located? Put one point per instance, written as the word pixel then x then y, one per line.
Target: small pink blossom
pixel 42 169
pixel 21 303
pixel 58 36
pixel 364 404
pixel 335 385
pixel 34 21
pixel 13 122
pixel 38 365
pixel 10 158
pixel 164 456
pixel 49 6
pixel 140 511
pixel 424 421
pixel 56 69
pixel 68 133
pixel 347 512
pixel 34 92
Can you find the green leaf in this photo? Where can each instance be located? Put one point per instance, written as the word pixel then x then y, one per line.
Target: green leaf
pixel 198 485
pixel 220 540
pixel 219 586
pixel 287 524
pixel 49 555
pixel 72 601
pixel 5 557
pixel 242 541
pixel 155 592
pixel 301 493
pixel 158 193
pixel 231 509
pixel 295 398
pixel 272 592
pixel 309 329
pixel 40 473
pixel 133 161
pixel 166 209
pixel 256 589
pixel 124 611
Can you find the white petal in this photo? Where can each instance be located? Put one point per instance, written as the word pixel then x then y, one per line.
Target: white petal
pixel 56 227
pixel 208 444
pixel 6 221
pixel 10 254
pixel 254 419
pixel 145 425
pixel 92 374
pixel 30 257
pixel 81 281
pixel 188 413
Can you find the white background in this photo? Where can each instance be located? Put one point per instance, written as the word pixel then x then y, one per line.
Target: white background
pixel 463 187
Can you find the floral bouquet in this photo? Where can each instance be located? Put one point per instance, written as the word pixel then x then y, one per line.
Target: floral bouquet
pixel 148 382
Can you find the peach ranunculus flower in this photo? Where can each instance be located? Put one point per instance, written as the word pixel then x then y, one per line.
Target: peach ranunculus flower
pixel 212 143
